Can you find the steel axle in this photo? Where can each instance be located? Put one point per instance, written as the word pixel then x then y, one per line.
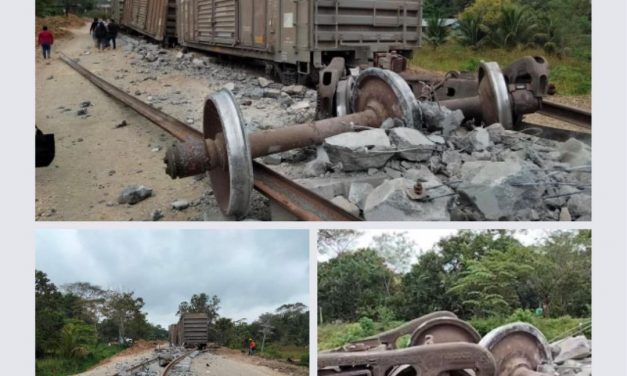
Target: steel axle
pixel 227 151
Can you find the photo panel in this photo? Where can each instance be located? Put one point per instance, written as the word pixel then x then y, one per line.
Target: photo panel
pixel 277 110
pixel 454 302
pixel 172 302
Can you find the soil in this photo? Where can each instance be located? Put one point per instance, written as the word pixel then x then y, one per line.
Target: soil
pixel 95 160
pixel 225 362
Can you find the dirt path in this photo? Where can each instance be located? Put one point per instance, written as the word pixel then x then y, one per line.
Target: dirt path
pixel 232 363
pixel 95 162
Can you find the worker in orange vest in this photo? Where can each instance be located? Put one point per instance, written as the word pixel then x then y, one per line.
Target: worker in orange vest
pixel 252 346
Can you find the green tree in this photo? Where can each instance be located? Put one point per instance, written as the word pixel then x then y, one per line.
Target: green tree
pixel 515 27
pixel 336 242
pixel 493 284
pixel 77 337
pixel 564 274
pixel 49 314
pixel 437 31
pixel 201 303
pixel 471 31
pixel 121 309
pixel 354 285
pixel 423 288
pixel 397 249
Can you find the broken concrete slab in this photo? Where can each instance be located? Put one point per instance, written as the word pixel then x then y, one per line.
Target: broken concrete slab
pixel 264 82
pixel 478 140
pixel 343 203
pixel 329 188
pixel 573 348
pixel 414 145
pixel 390 201
pixel 358 193
pixel 575 153
pixel 134 194
pixel 319 165
pixel 580 205
pixel 500 189
pixel 361 150
pixel 436 117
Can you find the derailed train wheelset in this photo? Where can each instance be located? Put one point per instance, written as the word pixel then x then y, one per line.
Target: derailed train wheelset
pixel 376 95
pixel 441 345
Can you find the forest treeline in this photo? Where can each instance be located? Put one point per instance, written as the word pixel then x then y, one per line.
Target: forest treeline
pixel 476 274
pixel 78 324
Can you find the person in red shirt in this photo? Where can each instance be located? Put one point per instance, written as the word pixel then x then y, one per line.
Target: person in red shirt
pixel 46 40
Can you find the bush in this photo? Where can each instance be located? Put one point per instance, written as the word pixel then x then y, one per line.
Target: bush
pixel 488 10
pixel 367 326
pixel 470 32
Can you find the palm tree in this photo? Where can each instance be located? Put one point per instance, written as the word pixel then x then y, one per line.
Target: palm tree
pixel 516 27
pixel 437 32
pixel 470 31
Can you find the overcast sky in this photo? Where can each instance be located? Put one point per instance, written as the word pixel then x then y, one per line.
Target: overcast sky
pixel 426 239
pixel 252 271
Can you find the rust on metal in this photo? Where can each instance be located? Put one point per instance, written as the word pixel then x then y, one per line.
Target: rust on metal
pixel 430 360
pixel 389 338
pixel 166 122
pixel 566 113
pixel 302 203
pixel 299 201
pixel 171 365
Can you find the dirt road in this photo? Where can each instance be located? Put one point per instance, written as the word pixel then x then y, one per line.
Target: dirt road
pixel 94 160
pixel 231 363
pixel 223 363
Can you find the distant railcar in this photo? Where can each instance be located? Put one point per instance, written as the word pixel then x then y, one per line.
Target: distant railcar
pixel 193 330
pixel 117 7
pixel 153 18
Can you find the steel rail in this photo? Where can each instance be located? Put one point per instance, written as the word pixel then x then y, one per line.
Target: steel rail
pixel 556 134
pixel 566 113
pixel 176 361
pixel 299 201
pixel 136 367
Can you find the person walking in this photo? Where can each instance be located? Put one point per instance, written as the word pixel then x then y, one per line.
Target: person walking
pixel 113 30
pixel 45 39
pixel 92 31
pixel 101 35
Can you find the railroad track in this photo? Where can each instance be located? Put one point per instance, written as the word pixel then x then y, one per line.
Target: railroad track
pixel 170 368
pixel 569 114
pixel 300 202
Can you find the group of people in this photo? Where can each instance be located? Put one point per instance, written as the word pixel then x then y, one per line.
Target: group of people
pixel 104 33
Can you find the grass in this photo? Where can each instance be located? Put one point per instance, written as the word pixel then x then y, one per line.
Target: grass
pixel 57 366
pixel 299 354
pixel 334 335
pixel 571 74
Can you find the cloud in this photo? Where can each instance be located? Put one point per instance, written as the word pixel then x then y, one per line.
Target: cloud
pixel 252 271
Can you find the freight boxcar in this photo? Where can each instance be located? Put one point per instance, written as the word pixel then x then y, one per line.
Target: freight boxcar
pixel 193 330
pixel 173 335
pixel 153 18
pixel 297 38
pixel 117 6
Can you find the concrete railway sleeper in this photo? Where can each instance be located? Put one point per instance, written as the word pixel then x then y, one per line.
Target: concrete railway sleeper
pixel 441 344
